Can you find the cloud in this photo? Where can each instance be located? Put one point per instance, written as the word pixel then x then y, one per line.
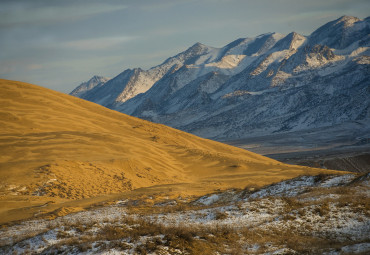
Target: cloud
pixel 103 43
pixel 23 13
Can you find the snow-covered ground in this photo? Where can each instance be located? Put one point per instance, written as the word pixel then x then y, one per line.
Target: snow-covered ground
pixel 322 214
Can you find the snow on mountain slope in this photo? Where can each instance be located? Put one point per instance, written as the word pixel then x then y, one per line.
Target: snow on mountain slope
pixel 342 32
pixel 95 81
pixel 254 86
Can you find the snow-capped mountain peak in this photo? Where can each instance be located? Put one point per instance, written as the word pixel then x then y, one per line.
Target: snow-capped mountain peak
pixel 348 21
pixel 342 32
pixel 84 87
pixel 252 86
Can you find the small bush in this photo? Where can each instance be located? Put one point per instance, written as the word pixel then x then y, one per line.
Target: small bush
pixel 289 217
pixel 292 203
pixel 221 215
pixel 321 177
pixel 322 209
pixel 140 250
pixel 150 246
pixel 83 247
pixel 114 232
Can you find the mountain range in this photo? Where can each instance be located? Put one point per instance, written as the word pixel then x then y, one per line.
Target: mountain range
pixel 272 83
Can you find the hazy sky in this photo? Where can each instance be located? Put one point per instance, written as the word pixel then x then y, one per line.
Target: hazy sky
pixel 59 44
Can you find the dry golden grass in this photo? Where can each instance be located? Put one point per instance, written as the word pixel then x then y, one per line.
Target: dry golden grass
pixel 65 148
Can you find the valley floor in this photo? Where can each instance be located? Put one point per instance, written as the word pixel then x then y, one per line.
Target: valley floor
pixel 324 214
pixel 343 147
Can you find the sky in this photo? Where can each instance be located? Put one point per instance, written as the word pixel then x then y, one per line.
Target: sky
pixel 60 44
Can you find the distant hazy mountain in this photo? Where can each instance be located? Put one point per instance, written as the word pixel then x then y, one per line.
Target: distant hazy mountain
pixel 252 86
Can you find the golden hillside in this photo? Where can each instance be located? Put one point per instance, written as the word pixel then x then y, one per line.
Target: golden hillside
pixel 59 147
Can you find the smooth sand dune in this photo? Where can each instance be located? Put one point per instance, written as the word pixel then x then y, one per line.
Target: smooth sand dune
pixel 55 148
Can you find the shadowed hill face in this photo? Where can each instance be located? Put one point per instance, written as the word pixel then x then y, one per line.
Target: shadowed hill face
pixel 55 145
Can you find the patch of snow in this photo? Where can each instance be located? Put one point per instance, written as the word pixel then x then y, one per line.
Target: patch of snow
pixel 228 61
pixel 348 50
pixel 356 248
pixel 269 211
pixel 281 251
pixel 338 180
pixel 285 188
pixel 298 41
pixel 208 200
pixel 280 78
pixel 359 51
pixel 277 56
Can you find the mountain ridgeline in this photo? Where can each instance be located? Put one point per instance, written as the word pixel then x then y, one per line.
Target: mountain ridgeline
pixel 253 86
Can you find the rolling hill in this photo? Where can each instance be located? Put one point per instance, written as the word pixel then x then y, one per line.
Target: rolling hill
pixel 60 151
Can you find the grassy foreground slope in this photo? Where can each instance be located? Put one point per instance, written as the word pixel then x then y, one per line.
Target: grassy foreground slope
pixel 55 148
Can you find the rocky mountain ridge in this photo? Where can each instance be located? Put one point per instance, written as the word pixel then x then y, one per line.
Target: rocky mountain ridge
pixel 253 86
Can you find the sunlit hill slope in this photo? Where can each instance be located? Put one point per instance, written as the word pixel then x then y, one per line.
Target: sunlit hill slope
pixel 57 146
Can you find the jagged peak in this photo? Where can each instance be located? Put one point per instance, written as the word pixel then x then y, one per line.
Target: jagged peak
pixel 137 70
pixel 291 41
pixel 270 35
pixel 295 35
pixel 88 85
pixel 296 40
pixel 347 19
pixel 98 78
pixel 340 33
pixel 265 34
pixel 236 42
pixel 262 43
pixel 342 22
pixel 124 72
pixel 197 47
pixel 198 44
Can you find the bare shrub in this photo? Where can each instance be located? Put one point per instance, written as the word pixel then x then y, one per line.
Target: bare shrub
pixel 113 232
pixel 221 215
pixel 322 209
